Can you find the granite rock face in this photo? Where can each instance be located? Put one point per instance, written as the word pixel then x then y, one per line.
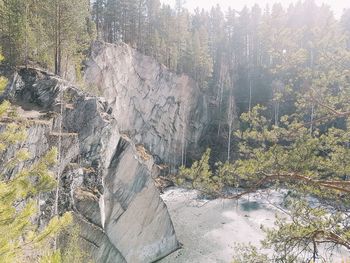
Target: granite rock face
pixel 111 147
pixel 105 178
pixel 165 112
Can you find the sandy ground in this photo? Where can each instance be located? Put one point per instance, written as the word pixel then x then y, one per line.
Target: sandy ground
pixel 209 230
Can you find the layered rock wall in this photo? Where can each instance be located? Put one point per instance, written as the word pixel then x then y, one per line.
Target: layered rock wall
pixel 164 111
pixel 104 179
pixel 110 148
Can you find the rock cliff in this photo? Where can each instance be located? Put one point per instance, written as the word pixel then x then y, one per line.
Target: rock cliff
pixel 165 112
pixel 104 177
pixel 111 148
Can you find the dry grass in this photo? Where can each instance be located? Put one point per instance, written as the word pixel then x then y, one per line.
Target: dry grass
pixel 143 153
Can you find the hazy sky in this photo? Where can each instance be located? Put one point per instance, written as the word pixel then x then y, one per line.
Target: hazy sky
pixel 336 5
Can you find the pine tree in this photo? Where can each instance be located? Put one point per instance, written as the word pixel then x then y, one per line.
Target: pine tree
pixel 152 36
pixel 98 14
pixel 12 26
pixel 111 21
pixel 305 152
pixel 69 29
pixel 345 23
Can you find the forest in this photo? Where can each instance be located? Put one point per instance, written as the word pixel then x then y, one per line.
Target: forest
pixel 241 58
pixel 277 81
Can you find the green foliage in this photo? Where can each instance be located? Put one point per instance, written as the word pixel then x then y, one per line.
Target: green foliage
pixel 249 253
pixel 294 63
pixel 314 165
pixel 311 162
pixel 72 250
pixel 53 34
pixel 18 208
pixel 304 145
pixel 54 257
pixel 254 55
pixel 309 227
pixel 3 82
pixel 200 176
pixel 12 21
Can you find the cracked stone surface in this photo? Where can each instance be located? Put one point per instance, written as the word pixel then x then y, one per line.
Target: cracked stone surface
pixel 104 178
pixel 165 112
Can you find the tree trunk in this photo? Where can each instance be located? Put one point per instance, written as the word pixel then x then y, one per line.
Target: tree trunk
pixel 56 36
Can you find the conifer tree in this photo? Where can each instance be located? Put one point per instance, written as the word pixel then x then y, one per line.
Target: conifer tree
pixel 69 29
pixel 12 26
pixel 306 153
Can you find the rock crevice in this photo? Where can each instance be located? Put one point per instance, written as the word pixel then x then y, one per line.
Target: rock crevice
pixel 102 177
pixel 113 148
pixel 153 105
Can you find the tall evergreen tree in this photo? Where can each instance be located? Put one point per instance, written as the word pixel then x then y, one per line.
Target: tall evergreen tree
pixel 69 29
pixel 13 29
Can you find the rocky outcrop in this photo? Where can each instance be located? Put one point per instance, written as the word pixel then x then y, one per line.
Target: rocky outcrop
pixel 111 149
pixel 165 112
pixel 104 177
